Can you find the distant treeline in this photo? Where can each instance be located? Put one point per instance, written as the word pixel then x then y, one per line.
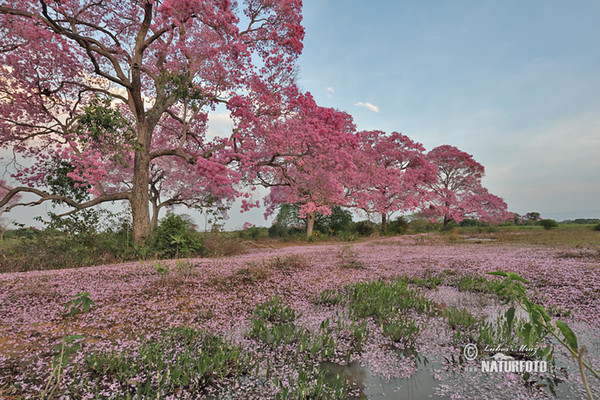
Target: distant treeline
pixel 581 221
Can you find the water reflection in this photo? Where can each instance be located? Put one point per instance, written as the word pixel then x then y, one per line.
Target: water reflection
pixel 421 385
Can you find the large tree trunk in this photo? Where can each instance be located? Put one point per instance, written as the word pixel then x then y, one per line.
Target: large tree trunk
pixel 310 223
pixel 140 197
pixel 383 223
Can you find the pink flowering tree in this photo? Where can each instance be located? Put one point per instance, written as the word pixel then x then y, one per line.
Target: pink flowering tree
pixel 306 159
pixel 458 193
pixel 392 174
pixel 163 66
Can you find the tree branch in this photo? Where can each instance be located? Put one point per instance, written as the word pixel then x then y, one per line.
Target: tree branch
pixel 62 199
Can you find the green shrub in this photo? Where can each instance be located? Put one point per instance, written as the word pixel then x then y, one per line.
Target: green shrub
pixel 398 226
pixel 255 232
pixel 365 228
pixel 176 237
pixel 548 223
pixel 597 228
pixel 470 222
pixel 278 230
pixel 422 226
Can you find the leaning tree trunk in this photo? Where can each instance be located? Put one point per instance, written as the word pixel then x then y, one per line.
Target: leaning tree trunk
pixel 310 223
pixel 383 223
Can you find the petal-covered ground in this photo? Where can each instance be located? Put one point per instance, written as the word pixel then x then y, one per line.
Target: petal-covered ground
pixel 219 296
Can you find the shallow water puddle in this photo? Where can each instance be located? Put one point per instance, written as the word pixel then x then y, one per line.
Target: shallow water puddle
pixel 420 385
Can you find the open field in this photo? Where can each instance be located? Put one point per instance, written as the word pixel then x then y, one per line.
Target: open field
pixel 382 318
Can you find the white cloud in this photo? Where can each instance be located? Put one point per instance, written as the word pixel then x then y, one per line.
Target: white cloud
pixel 369 106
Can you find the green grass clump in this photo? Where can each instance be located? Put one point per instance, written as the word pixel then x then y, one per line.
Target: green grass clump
pixel 273 323
pixel 181 359
pixel 329 297
pixel 389 304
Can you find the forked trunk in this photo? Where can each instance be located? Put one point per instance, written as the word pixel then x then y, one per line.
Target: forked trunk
pixel 310 223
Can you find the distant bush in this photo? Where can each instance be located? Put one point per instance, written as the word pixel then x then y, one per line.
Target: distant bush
pixel 365 228
pixel 398 226
pixel 470 222
pixel 280 231
pixel 22 233
pixel 255 232
pixel 422 226
pixel 597 227
pixel 548 223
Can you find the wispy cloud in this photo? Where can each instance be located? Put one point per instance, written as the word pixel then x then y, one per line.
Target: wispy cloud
pixel 330 91
pixel 369 106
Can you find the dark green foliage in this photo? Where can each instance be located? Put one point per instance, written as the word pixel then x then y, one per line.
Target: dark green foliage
pixel 60 184
pixel 548 223
pixel 176 237
pixel 103 126
pixel 398 226
pixel 339 220
pixel 255 232
pixel 72 242
pixel 582 221
pixel 80 303
pixel 23 233
pixel 182 359
pixel 470 222
pixel 422 226
pixel 365 228
pixel 597 228
pixel 277 230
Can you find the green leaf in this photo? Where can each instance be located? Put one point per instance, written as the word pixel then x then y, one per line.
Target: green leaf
pixel 510 317
pixel 516 277
pixel 569 335
pixel 72 338
pixel 498 273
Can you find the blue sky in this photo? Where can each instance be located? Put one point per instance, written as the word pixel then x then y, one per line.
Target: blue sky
pixel 515 83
